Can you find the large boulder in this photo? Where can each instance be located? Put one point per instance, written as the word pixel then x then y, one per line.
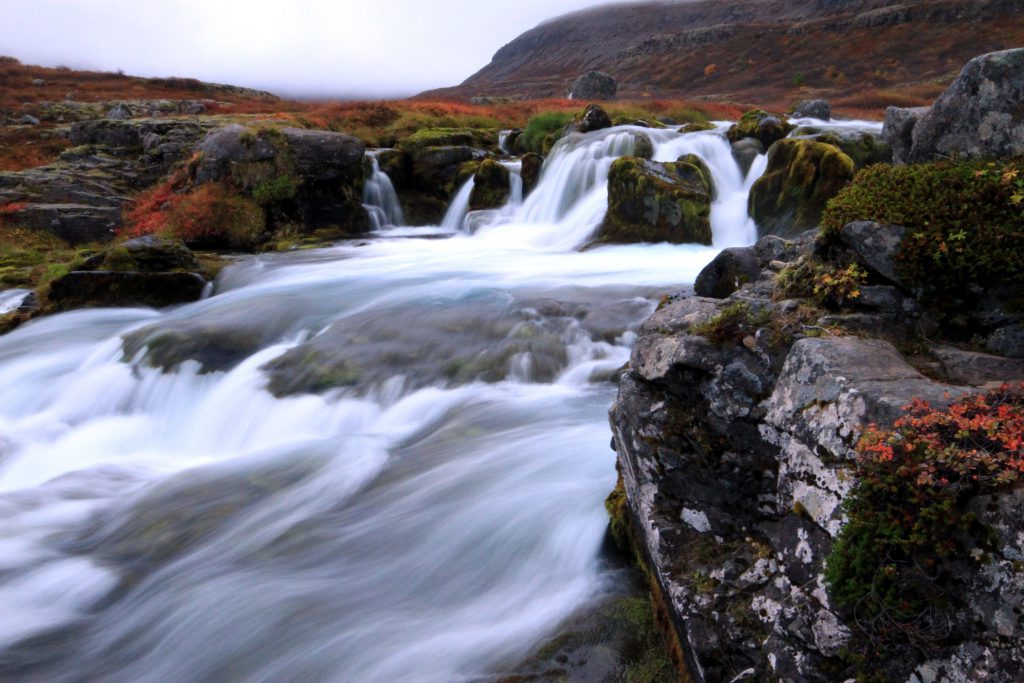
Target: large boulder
pixel 316 176
pixel 593 85
pixel 727 272
pixel 801 177
pixel 651 201
pixel 980 115
pixel 114 288
pixel 761 125
pixel 876 246
pixel 898 131
pixel 490 186
pixel 863 147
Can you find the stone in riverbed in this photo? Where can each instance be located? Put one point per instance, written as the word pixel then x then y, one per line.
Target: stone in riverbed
pixel 490 186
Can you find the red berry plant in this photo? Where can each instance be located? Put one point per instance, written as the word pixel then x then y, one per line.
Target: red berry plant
pixel 908 518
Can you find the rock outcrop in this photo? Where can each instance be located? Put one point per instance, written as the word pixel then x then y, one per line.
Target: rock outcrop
pixel 650 201
pixel 316 175
pixel 735 425
pixel 980 116
pixel 490 186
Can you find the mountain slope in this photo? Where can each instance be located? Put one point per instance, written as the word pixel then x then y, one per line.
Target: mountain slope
pixel 753 50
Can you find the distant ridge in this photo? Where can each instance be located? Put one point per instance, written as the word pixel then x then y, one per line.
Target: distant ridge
pixel 752 50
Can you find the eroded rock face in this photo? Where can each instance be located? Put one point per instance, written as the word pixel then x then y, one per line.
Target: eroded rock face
pixel 898 131
pixel 801 177
pixel 981 114
pixel 593 85
pixel 733 459
pixel 651 201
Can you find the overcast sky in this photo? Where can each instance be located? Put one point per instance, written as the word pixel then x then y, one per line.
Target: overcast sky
pixel 291 47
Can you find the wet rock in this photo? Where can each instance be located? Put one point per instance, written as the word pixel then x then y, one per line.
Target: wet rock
pixel 745 151
pixel 74 223
pixel 814 109
pixel 802 175
pixel 727 272
pixel 697 127
pixel 980 115
pixel 593 118
pixel 760 125
pixel 80 289
pixel 876 246
pixel 898 131
pixel 657 202
pixel 593 85
pixel 533 164
pixel 490 186
pixel 148 254
pixel 863 147
pixel 643 147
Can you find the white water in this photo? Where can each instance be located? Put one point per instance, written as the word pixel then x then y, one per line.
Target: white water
pixel 379 197
pixel 10 299
pixel 412 525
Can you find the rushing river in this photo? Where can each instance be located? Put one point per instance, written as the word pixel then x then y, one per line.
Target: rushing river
pixel 382 461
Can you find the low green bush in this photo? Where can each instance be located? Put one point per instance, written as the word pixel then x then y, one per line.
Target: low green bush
pixel 964 220
pixel 543 125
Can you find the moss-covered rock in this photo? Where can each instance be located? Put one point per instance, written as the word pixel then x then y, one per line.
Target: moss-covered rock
pixel 761 125
pixel 490 186
pixel 590 119
pixel 643 148
pixel 651 201
pixel 533 164
pixel 864 148
pixel 801 177
pixel 697 127
pixel 448 137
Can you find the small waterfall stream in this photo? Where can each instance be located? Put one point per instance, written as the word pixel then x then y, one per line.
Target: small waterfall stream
pixel 383 461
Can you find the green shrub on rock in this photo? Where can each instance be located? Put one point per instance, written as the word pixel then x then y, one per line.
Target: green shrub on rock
pixel 543 130
pixel 964 229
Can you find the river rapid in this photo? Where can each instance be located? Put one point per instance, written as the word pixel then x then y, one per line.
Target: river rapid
pixel 381 461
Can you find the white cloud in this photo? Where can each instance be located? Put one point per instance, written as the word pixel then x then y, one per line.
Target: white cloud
pixel 299 47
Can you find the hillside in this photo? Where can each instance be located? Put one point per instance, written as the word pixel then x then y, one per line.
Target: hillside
pixel 862 53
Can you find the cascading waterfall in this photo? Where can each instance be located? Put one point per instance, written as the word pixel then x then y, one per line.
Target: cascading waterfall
pixel 379 197
pixel 383 461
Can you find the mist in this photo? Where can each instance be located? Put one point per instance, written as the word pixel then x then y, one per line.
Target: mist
pixel 303 48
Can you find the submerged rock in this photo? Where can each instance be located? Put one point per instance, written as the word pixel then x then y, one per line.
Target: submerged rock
pixel 801 177
pixel 651 201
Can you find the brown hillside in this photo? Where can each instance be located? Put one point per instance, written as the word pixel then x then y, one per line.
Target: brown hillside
pixel 863 53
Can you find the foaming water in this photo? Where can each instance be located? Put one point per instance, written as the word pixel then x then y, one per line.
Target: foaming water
pixel 383 461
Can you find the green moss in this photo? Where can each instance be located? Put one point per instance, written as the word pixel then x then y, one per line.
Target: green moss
pixel 448 137
pixel 733 323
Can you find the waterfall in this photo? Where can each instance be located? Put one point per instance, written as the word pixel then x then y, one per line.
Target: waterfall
pixel 503 141
pixel 455 218
pixel 379 197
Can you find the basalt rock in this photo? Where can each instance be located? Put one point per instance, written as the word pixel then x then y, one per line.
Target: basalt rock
pixel 814 109
pixel 898 131
pixel 80 289
pixel 533 164
pixel 490 186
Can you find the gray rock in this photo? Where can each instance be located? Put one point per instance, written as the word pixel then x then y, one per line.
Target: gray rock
pixel 75 223
pixel 980 115
pixel 898 131
pixel 977 369
pixel 593 85
pixel 745 151
pixel 38 82
pixel 28 120
pixel 1007 341
pixel 814 109
pixel 876 246
pixel 644 148
pixel 727 272
pixel 120 112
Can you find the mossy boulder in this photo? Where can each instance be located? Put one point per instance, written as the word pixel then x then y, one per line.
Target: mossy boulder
pixel 533 164
pixel 313 178
pixel 490 186
pixel 448 137
pixel 79 289
pixel 436 170
pixel 863 147
pixel 697 127
pixel 801 177
pixel 148 254
pixel 761 125
pixel 643 148
pixel 651 201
